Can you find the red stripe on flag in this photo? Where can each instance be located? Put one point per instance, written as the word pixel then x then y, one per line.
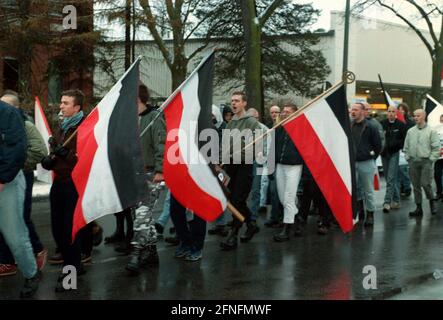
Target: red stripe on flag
pixel 376 182
pixel 177 177
pixel 87 146
pixel 323 170
pixel 400 116
pixel 42 114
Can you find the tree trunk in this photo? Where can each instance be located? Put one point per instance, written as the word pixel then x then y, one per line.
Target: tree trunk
pixel 128 34
pixel 437 66
pixel 252 36
pixel 178 72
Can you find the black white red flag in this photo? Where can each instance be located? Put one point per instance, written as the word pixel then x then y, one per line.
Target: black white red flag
pixel 109 172
pixel 322 134
pixel 186 169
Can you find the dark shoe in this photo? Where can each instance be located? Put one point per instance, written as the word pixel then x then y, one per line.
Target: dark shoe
pixel 149 257
pixel 194 255
pixel 57 258
pixel 218 230
pixel 124 249
pixel 116 237
pixel 232 240
pixel 386 207
pixel 418 212
pixel 30 286
pixel 97 232
pixel 159 228
pixel 432 205
pixel 298 231
pixel 369 222
pixel 182 251
pixel 284 234
pixel 174 241
pixel 133 264
pixel 250 232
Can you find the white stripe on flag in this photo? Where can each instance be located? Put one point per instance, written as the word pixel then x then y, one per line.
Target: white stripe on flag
pixel 198 168
pixel 100 193
pixel 434 115
pixel 40 123
pixel 325 124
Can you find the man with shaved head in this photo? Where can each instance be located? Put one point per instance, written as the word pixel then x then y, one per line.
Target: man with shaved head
pixel 422 149
pixel 394 132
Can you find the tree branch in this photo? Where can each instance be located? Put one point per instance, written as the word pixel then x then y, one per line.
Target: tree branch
pixel 152 26
pixel 426 17
pixel 418 32
pixel 269 11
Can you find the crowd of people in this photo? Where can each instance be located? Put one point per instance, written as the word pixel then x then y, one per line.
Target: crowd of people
pixel 290 192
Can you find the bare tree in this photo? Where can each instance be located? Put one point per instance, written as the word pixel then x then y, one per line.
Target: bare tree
pixel 176 17
pixel 426 11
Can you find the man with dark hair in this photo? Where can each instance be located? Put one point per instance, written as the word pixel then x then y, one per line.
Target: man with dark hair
pixel 63 195
pixel 12 194
pixel 241 174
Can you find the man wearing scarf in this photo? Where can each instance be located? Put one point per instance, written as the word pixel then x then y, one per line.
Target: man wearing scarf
pixel 63 195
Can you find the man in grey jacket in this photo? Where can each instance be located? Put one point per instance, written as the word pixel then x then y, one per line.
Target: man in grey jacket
pixel 422 149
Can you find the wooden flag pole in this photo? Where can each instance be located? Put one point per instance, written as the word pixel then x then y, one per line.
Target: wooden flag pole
pixel 235 212
pixel 348 78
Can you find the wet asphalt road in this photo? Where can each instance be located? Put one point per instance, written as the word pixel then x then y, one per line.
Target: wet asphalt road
pixel 404 251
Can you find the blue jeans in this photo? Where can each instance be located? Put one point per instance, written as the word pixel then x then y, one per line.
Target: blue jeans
pixel 13 227
pixel 365 171
pixel 164 217
pixel 390 170
pixel 6 256
pixel 255 201
pixel 403 181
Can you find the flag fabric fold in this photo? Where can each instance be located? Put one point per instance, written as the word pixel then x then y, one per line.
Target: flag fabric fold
pixel 322 135
pixel 109 172
pixel 187 172
pixel 41 123
pixel 434 111
pixel 389 102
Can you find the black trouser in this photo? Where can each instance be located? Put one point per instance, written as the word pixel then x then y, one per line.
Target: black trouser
pixel 312 193
pixel 5 254
pixel 190 233
pixel 240 185
pixel 63 198
pixel 276 206
pixel 438 170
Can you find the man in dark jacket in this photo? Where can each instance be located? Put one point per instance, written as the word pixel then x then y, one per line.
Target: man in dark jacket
pixel 367 147
pixel 395 132
pixel 12 193
pixel 63 195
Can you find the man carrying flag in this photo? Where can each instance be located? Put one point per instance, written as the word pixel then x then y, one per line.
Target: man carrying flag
pixel 63 195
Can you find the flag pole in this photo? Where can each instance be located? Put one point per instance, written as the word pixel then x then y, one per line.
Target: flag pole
pixel 384 91
pixel 126 72
pixel 235 212
pixel 348 78
pixel 176 91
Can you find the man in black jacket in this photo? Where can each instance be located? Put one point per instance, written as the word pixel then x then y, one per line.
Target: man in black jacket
pixel 367 147
pixel 395 132
pixel 12 193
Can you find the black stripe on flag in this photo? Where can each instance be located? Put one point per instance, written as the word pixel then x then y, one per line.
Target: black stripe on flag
pixel 205 94
pixel 429 107
pixel 339 106
pixel 124 148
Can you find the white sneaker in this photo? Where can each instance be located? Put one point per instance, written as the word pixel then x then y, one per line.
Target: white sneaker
pixel 395 205
pixel 386 208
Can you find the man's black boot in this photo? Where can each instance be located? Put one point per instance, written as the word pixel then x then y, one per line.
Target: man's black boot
pixel 232 240
pixel 418 212
pixel 369 222
pixel 250 231
pixel 119 233
pixel 433 206
pixel 284 234
pixel 134 261
pixel 149 256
